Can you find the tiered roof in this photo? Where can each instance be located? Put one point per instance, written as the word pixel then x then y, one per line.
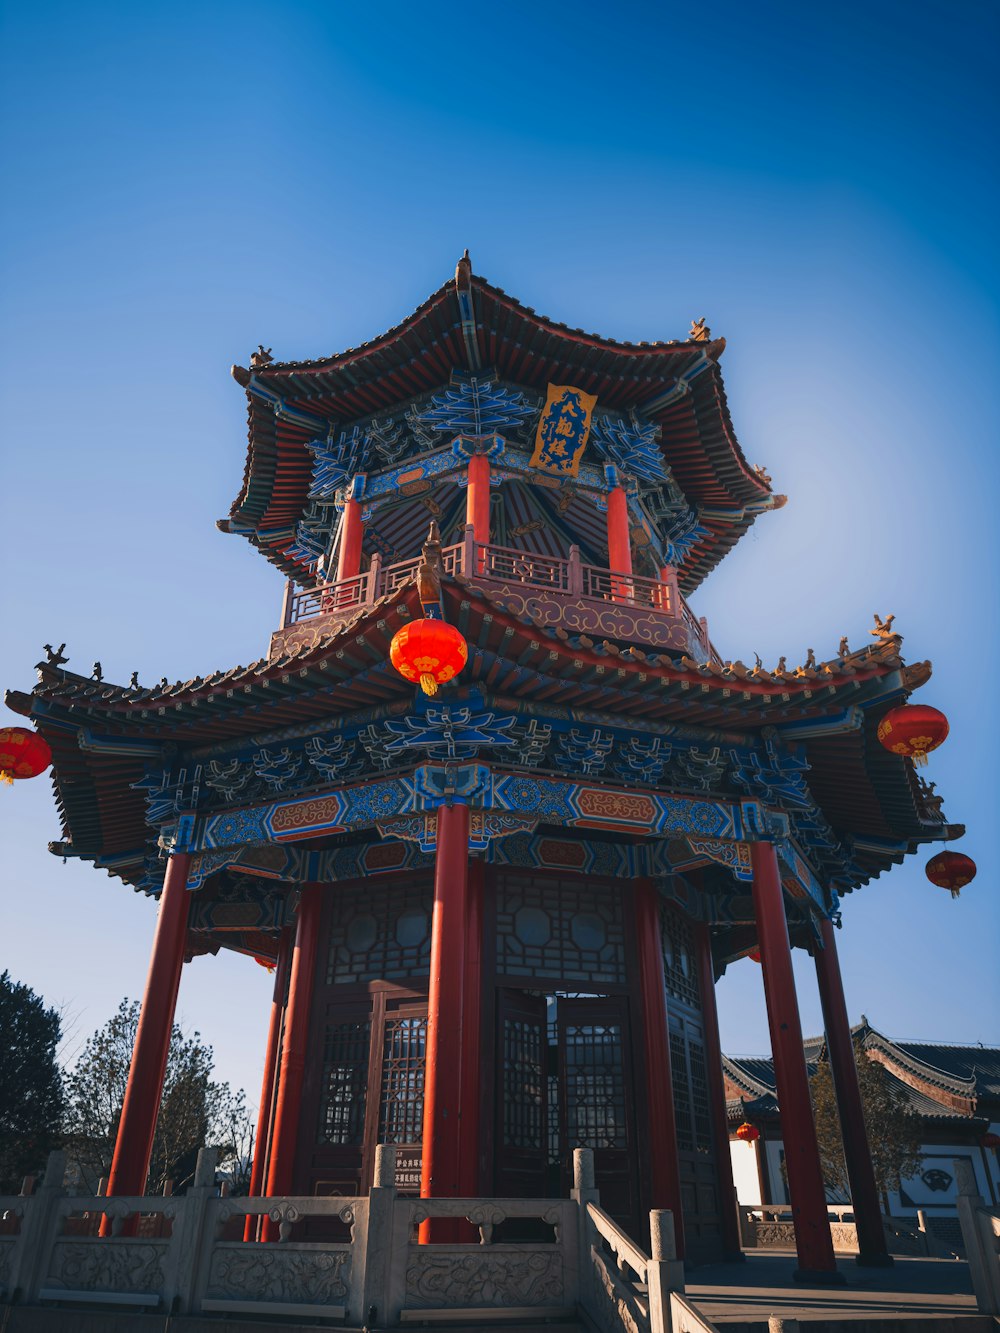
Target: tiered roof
pixel 345 670
pixel 468 324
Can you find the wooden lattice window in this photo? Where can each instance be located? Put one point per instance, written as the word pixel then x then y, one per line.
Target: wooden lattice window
pixel 594 1078
pixel 682 1091
pixel 700 1108
pixel 344 1083
pixel 680 965
pixel 523 1088
pixel 401 1110
pixel 559 928
pixel 382 933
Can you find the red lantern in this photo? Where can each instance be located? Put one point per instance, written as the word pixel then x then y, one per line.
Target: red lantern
pixel 951 870
pixel 913 730
pixel 754 955
pixel 23 754
pixel 263 962
pixel 748 1133
pixel 990 1140
pixel 428 651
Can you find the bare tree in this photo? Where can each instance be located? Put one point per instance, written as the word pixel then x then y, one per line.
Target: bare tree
pixel 195 1110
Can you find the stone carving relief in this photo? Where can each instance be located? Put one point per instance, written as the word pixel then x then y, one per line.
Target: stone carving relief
pixel 94 1265
pixel 483 1280
pixel 279 1273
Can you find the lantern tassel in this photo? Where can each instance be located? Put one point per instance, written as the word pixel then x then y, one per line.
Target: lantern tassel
pixel 428 684
pixel 920 758
pixel 6 778
pixel 955 893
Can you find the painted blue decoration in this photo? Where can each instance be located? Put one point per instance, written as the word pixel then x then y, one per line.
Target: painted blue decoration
pixel 332 759
pixel 474 405
pixel 631 444
pixel 449 732
pixel 228 777
pixel 279 770
pixel 643 760
pixel 337 460
pixel 586 754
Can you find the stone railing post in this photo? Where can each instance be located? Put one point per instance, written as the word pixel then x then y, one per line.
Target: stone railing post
pixel 584 1191
pixel 382 1298
pixel 374 577
pixel 469 564
pixel 574 574
pixel 666 1272
pixel 189 1255
pixel 980 1241
pixel 286 603
pixel 38 1233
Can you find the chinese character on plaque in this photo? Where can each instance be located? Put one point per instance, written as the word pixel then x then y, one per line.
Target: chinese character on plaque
pixel 563 430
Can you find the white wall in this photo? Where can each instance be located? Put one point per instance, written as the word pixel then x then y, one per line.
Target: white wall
pixel 746 1177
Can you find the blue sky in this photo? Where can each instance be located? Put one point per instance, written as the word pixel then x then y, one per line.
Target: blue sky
pixel 182 182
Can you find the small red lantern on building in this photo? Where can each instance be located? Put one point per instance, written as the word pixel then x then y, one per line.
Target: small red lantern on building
pixel 951 870
pixel 263 962
pixel 990 1140
pixel 754 955
pixel 23 754
pixel 429 651
pixel 913 730
pixel 747 1133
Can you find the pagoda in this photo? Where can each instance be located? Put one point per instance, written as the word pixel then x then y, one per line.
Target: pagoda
pixel 496 913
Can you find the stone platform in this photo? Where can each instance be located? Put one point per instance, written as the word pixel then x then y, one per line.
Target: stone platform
pixel 914 1294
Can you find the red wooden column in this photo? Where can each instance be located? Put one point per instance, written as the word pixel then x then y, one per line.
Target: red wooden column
pixel 813 1241
pixel 471 1022
pixel 288 1104
pixel 144 1090
pixel 267 1087
pixel 664 1166
pixel 349 559
pixel 864 1192
pixel 717 1094
pixel 477 501
pixel 442 1159
pixel 619 543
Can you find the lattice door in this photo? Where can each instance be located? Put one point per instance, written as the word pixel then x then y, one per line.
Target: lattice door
pixel 596 1102
pixel 522 1131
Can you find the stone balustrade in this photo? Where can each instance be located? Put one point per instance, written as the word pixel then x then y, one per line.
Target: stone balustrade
pixel 357 1260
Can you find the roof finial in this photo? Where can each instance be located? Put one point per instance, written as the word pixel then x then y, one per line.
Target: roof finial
pixel 463 270
pixel 262 357
pixel 700 332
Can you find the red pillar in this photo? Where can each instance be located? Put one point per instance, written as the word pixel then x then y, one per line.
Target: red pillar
pixel 471 1021
pixel 477 499
pixel 664 1168
pixel 267 1087
pixel 805 1178
pixel 134 1143
pixel 717 1094
pixel 441 1173
pixel 864 1192
pixel 293 1055
pixel 619 544
pixel 349 560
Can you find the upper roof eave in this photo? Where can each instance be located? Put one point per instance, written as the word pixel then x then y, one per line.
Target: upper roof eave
pixel 695 423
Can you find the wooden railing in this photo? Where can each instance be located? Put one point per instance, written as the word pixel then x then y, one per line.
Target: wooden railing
pixel 513 569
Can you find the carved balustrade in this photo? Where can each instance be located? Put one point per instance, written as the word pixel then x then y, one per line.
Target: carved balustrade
pixel 578 597
pixel 186 1254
